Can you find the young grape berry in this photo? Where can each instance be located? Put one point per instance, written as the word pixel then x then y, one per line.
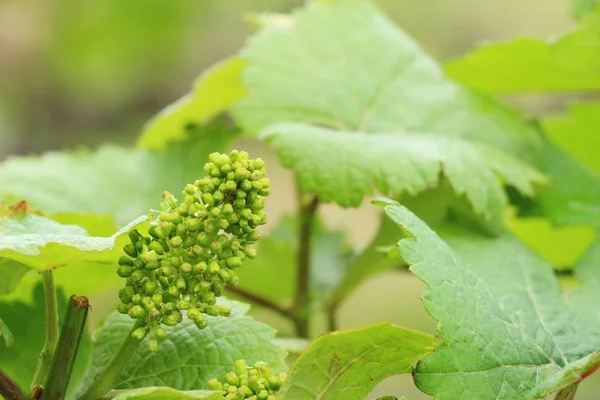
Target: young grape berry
pixel 192 251
pixel 252 383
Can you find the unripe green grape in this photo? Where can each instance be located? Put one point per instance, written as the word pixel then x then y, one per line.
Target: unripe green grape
pixel 200 268
pixel 153 345
pixel 188 242
pixel 246 213
pixel 253 237
pixel 153 265
pixel 139 333
pixel 181 230
pixel 168 308
pixel 147 303
pixel 183 305
pixel 214 268
pixel 173 291
pixel 182 210
pixel 170 320
pixel 125 260
pixel 159 332
pixel 134 236
pixel 234 262
pixel 176 242
pixel 130 250
pixel 125 271
pixel 249 251
pixel 136 299
pixel 155 248
pixel 192 224
pixel 157 299
pixel 200 322
pixel 224 310
pixel 214 384
pixel 257 204
pixel 137 312
pixel 123 308
pixel 150 287
pixel 256 185
pixel 186 267
pixel 216 247
pixel 224 275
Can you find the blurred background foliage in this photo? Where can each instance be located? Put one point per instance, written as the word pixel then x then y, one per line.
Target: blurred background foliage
pixel 81 73
pixel 78 74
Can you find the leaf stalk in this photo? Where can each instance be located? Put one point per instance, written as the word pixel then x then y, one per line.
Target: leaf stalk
pixel 302 296
pixel 49 349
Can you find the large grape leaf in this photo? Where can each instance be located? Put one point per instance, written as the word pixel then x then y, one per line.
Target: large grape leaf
pixel 164 393
pixel 366 76
pixel 26 321
pixel 346 166
pixel 569 63
pixel 349 364
pixel 44 244
pixel 189 357
pixel 214 91
pixel 574 195
pixel 122 182
pixel 509 331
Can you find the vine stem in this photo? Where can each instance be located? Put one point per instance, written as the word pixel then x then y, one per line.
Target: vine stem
pixel 104 381
pixel 66 351
pixel 302 296
pixel 261 301
pixel 9 389
pixel 567 393
pixel 49 349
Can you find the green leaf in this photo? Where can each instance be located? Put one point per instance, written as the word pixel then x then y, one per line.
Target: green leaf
pixel 27 324
pixel 122 182
pixel 569 63
pixel 573 196
pixel 344 167
pixel 576 132
pixel 6 334
pixel 11 272
pixel 582 7
pixel 349 364
pixel 277 257
pixel 509 331
pixel 166 393
pixel 189 357
pixel 43 244
pixel 214 92
pixel 372 78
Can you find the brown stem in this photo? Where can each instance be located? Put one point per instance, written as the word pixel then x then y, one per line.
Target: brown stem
pixel 302 297
pixel 9 389
pixel 331 316
pixel 261 301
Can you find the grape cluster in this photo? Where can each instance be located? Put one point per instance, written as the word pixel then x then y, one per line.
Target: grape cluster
pixel 256 383
pixel 191 252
